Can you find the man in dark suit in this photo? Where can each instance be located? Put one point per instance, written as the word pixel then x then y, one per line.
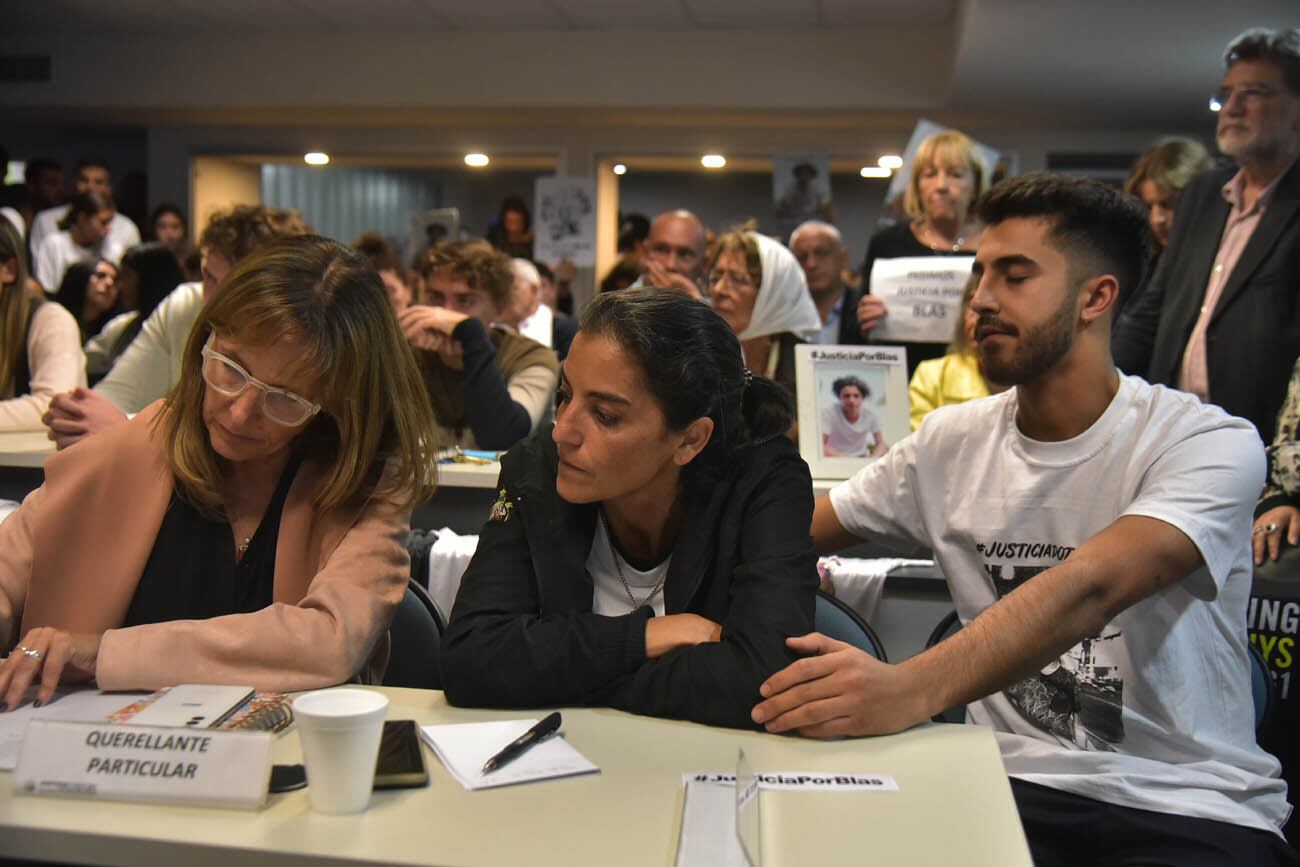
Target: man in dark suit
pixel 819 247
pixel 1220 317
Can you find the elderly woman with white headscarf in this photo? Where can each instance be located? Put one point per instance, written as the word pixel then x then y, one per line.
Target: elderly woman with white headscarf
pixel 758 287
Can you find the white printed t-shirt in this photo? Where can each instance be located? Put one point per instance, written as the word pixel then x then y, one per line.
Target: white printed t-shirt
pixel 1155 711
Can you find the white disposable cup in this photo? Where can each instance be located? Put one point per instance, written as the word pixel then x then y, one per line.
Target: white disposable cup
pixel 339 730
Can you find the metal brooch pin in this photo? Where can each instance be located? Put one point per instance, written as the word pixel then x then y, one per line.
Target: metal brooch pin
pixel 502 508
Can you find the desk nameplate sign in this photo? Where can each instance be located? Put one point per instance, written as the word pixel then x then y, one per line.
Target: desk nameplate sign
pixel 803 781
pixel 143 763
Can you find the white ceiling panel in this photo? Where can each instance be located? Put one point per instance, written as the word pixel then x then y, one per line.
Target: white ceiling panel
pixel 865 13
pixel 498 15
pixel 625 14
pixel 753 14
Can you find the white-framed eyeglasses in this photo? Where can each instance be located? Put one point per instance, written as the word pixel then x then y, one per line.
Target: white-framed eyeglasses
pixel 224 376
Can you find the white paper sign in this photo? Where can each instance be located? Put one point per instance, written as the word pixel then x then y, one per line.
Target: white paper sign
pixel 804 781
pixel 565 223
pixel 922 295
pixel 142 763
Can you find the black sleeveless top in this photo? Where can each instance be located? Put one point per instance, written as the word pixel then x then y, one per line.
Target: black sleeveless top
pixel 192 573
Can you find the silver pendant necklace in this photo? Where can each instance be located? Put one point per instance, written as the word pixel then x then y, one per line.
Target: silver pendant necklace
pixel 627 588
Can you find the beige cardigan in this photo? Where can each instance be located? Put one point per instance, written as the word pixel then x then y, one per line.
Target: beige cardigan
pixel 72 555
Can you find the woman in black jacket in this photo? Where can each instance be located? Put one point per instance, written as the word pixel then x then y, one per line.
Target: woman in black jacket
pixel 651 551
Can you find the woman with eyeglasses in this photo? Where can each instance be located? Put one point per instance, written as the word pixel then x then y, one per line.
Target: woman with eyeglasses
pixel 250 527
pixel 40 347
pixel 759 289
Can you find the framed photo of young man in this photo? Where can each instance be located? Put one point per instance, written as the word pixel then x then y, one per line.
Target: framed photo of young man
pixel 852 405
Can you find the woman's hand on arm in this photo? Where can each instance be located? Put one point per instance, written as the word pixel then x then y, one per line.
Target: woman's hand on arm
pixel 46 657
pixel 1270 528
pixel 663 634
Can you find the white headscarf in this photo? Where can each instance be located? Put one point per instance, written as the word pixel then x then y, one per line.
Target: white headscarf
pixel 783 302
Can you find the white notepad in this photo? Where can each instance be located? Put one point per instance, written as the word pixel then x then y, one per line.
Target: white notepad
pixel 463 748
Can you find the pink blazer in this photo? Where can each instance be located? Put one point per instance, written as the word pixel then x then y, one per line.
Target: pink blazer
pixel 72 555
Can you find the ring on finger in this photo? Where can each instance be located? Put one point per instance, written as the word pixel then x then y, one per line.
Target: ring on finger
pixel 27 651
pixel 1258 531
pixel 1270 529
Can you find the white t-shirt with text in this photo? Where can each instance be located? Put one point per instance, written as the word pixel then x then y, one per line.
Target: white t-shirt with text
pixel 1155 710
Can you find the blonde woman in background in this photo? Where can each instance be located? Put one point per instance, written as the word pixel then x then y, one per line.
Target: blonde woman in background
pixel 947 177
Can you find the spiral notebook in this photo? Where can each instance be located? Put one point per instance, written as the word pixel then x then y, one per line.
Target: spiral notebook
pixel 226 708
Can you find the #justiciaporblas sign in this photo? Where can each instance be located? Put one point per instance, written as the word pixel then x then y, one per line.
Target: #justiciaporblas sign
pixel 142 763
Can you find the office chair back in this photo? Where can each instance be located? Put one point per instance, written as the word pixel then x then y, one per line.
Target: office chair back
pixel 1262 688
pixel 836 620
pixel 415 636
pixel 947 626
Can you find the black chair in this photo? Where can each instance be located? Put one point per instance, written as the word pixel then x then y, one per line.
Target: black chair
pixel 1262 688
pixel 836 620
pixel 944 628
pixel 416 633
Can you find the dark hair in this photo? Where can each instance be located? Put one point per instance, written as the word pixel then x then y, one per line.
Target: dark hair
pixel 693 366
pixel 380 253
pixel 159 273
pixel 33 169
pixel 1280 46
pixel 91 163
pixel 84 204
pixel 1098 229
pixel 633 229
pixel 544 271
pixel 71 295
pixel 168 208
pixel 519 206
pixel 844 382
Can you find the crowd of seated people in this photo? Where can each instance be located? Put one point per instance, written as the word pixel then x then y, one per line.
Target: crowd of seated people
pixel 1086 466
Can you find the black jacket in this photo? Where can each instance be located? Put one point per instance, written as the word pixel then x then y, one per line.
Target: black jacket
pixel 1254 333
pixel 522 632
pixel 850 332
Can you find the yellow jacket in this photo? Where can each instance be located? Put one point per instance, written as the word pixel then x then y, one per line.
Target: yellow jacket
pixel 941 381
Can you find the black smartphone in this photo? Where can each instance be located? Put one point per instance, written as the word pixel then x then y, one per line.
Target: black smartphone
pixel 401 761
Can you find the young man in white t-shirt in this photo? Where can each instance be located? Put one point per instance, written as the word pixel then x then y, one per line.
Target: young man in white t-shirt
pixel 1094 531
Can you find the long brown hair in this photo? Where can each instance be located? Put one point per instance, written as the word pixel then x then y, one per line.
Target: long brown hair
pixel 374 406
pixel 15 306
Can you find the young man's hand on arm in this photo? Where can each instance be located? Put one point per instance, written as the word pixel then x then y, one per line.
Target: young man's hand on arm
pixel 842 691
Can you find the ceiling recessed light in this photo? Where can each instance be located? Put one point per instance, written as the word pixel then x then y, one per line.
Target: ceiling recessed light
pixel 620 169
pixel 316 158
pixel 713 161
pixel 476 160
pixel 890 161
pixel 874 172
pixel 1215 105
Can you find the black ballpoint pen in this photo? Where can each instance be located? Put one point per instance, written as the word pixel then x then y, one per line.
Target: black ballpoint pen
pixel 520 745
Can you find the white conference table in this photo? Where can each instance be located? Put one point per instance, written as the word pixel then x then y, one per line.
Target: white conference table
pixel 25 448
pixel 953 806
